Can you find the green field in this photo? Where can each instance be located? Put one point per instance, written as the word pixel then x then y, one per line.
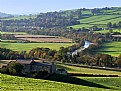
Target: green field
pixel 113 83
pixel 28 46
pixel 88 70
pixel 12 32
pixel 66 83
pixel 99 20
pixel 106 31
pixel 14 83
pixel 111 48
pixel 20 17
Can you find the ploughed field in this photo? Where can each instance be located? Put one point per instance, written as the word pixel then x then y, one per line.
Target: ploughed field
pixel 27 42
pixel 43 38
pixel 51 40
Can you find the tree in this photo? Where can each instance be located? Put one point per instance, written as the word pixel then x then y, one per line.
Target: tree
pixel 119 61
pixel 109 25
pixel 110 30
pixel 95 11
pixel 119 25
pixel 15 68
pixel 114 25
pixel 79 13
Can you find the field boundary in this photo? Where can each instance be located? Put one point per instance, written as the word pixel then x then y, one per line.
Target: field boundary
pixel 91 75
pixel 92 67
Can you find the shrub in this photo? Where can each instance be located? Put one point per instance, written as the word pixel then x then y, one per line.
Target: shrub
pixel 12 69
pixel 40 74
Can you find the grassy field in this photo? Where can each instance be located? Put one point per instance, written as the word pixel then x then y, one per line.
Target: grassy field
pixel 106 31
pixel 99 20
pixel 112 48
pixel 88 70
pixel 20 17
pixel 28 46
pixel 113 83
pixel 12 32
pixel 14 83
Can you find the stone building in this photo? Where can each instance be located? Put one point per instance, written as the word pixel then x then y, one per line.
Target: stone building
pixel 34 66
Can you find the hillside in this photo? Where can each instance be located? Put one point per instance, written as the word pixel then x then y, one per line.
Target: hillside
pixel 20 17
pixel 21 83
pixel 66 83
pixel 76 18
pixel 4 15
pixel 99 19
pixel 111 48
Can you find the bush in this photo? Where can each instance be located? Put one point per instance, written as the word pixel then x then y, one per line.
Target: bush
pixel 13 69
pixel 40 74
pixel 4 70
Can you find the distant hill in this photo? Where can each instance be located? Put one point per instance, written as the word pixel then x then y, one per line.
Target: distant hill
pixel 4 15
pixel 101 17
pixel 75 18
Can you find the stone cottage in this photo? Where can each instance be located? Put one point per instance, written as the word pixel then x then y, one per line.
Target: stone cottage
pixel 34 66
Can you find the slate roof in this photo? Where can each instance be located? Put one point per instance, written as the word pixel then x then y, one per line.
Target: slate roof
pixel 42 64
pixel 24 61
pixel 34 62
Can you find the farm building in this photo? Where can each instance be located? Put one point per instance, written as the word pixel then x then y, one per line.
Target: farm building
pixel 33 66
pixel 116 37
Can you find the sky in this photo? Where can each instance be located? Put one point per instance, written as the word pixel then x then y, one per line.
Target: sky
pixel 37 6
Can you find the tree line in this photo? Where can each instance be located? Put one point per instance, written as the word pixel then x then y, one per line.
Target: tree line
pixel 87 56
pixel 50 20
pixel 114 25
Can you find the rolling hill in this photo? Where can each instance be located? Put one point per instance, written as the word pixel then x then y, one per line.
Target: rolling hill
pixel 15 83
pixel 100 19
pixel 74 18
pixel 4 15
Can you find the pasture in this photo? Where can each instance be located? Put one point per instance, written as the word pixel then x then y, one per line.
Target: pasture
pixel 12 32
pixel 111 82
pixel 14 83
pixel 82 70
pixel 99 20
pixel 20 17
pixel 28 46
pixel 106 31
pixel 111 48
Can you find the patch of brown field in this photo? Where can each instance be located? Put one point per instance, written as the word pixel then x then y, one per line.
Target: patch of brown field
pixel 60 40
pixel 34 36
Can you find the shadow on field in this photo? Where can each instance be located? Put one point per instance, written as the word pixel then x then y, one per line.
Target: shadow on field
pixel 61 66
pixel 74 80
